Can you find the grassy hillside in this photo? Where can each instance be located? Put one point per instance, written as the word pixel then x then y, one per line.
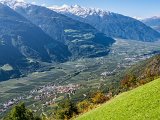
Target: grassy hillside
pixel 142 103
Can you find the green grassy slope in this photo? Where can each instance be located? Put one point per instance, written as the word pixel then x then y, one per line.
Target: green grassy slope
pixel 142 103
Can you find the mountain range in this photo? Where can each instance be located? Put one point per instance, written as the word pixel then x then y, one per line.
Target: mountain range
pixel 153 22
pixel 82 39
pixel 33 34
pixel 112 24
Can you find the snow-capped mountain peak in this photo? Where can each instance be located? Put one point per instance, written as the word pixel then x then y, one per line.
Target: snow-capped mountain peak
pixel 79 11
pixel 14 3
pixel 112 24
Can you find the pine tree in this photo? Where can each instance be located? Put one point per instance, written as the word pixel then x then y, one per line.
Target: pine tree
pixel 20 112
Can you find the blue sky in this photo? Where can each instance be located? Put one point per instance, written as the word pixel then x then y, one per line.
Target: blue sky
pixel 134 8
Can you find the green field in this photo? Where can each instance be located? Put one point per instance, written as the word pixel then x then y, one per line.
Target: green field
pixel 142 103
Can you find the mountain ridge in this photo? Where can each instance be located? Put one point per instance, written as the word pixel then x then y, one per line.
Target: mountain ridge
pixel 44 36
pixel 82 39
pixel 112 24
pixel 20 44
pixel 153 22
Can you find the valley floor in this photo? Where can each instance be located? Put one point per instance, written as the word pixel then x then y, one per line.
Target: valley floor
pixel 90 74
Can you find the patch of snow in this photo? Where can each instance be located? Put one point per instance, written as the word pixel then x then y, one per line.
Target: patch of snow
pixel 15 3
pixel 6 67
pixel 138 18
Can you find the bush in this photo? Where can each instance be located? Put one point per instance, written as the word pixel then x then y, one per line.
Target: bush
pixel 129 82
pixel 99 98
pixel 84 106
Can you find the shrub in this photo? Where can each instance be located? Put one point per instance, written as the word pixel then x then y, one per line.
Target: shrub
pixel 99 98
pixel 84 106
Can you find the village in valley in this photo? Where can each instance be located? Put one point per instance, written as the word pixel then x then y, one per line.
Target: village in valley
pixel 47 94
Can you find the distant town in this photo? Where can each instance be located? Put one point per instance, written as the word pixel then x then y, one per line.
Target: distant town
pixel 47 92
